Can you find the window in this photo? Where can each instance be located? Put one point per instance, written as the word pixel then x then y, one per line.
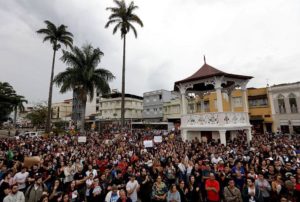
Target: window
pixel 97 101
pixel 258 102
pixel 97 108
pixel 154 99
pixel 147 100
pixel 191 107
pixel 293 103
pixel 281 104
pixel 147 110
pixel 155 109
pixel 206 106
pixel 237 101
pixel 160 97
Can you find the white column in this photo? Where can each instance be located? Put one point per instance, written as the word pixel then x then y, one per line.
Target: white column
pixel 245 98
pixel 223 136
pixel 231 107
pixel 183 101
pixel 248 135
pixel 218 89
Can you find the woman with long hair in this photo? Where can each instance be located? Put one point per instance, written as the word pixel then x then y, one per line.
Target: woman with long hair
pixel 183 191
pixel 57 187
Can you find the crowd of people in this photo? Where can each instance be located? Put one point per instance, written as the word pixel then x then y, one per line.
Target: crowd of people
pixel 112 167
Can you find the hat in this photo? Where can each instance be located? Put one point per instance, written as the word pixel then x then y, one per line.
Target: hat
pixel 37 176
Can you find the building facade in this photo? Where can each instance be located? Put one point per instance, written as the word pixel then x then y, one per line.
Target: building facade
pixel 108 107
pixel 285 99
pixel 153 104
pixel 171 110
pixel 222 124
pixel 62 110
pixel 259 107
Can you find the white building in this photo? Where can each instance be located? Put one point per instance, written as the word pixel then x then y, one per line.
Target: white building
pixel 108 107
pixel 153 104
pixel 213 125
pixel 285 103
pixel 62 110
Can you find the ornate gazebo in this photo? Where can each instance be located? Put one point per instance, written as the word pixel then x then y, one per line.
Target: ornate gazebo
pixel 206 80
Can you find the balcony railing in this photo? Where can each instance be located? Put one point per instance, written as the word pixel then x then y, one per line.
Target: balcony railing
pixel 215 119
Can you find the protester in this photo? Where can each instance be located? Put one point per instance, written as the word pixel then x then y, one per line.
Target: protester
pixel 173 195
pixel 267 169
pixel 212 187
pixel 15 195
pixel 232 193
pixel 123 197
pixel 35 191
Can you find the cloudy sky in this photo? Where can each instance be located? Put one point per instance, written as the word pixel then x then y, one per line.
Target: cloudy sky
pixel 252 37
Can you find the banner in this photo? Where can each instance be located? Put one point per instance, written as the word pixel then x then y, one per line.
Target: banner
pixel 157 139
pixel 81 139
pixel 148 143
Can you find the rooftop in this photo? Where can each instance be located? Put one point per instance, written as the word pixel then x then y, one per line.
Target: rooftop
pixel 117 95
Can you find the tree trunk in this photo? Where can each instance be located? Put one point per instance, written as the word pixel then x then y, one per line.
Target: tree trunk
pixel 15 116
pixel 82 117
pixel 48 122
pixel 123 85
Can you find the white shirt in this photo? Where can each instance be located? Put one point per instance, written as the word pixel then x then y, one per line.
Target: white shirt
pixel 21 177
pixel 18 197
pixel 215 160
pixel 132 186
pixel 93 171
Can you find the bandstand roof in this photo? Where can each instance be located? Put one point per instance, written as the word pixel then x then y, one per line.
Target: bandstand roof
pixel 205 72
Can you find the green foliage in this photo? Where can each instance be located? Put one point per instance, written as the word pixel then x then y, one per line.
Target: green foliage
pixel 9 100
pixel 82 73
pixel 56 35
pixel 123 17
pixel 38 115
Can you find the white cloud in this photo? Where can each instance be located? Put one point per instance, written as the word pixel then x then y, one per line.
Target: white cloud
pixel 252 37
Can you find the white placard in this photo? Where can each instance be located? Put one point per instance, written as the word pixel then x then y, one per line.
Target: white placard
pixel 82 139
pixel 157 139
pixel 148 143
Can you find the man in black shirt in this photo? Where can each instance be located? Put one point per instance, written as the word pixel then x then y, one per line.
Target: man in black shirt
pixel 80 179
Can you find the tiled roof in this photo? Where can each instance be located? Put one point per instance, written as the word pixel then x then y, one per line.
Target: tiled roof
pixel 207 71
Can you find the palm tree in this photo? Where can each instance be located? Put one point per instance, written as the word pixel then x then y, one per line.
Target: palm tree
pixel 82 75
pixel 123 18
pixel 56 36
pixel 18 105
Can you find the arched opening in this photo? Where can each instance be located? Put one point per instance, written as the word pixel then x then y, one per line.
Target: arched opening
pixel 293 103
pixel 281 104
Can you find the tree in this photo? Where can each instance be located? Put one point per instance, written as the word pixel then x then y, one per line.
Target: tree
pixel 18 105
pixel 82 75
pixel 6 97
pixel 123 18
pixel 38 115
pixel 9 100
pixel 56 36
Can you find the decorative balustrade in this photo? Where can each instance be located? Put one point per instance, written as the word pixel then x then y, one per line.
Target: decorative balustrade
pixel 215 119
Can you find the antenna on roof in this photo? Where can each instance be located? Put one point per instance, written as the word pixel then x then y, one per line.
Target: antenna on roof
pixel 204 59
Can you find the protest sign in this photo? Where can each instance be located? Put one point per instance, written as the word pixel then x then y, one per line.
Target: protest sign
pixel 157 139
pixel 148 143
pixel 30 161
pixel 82 139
